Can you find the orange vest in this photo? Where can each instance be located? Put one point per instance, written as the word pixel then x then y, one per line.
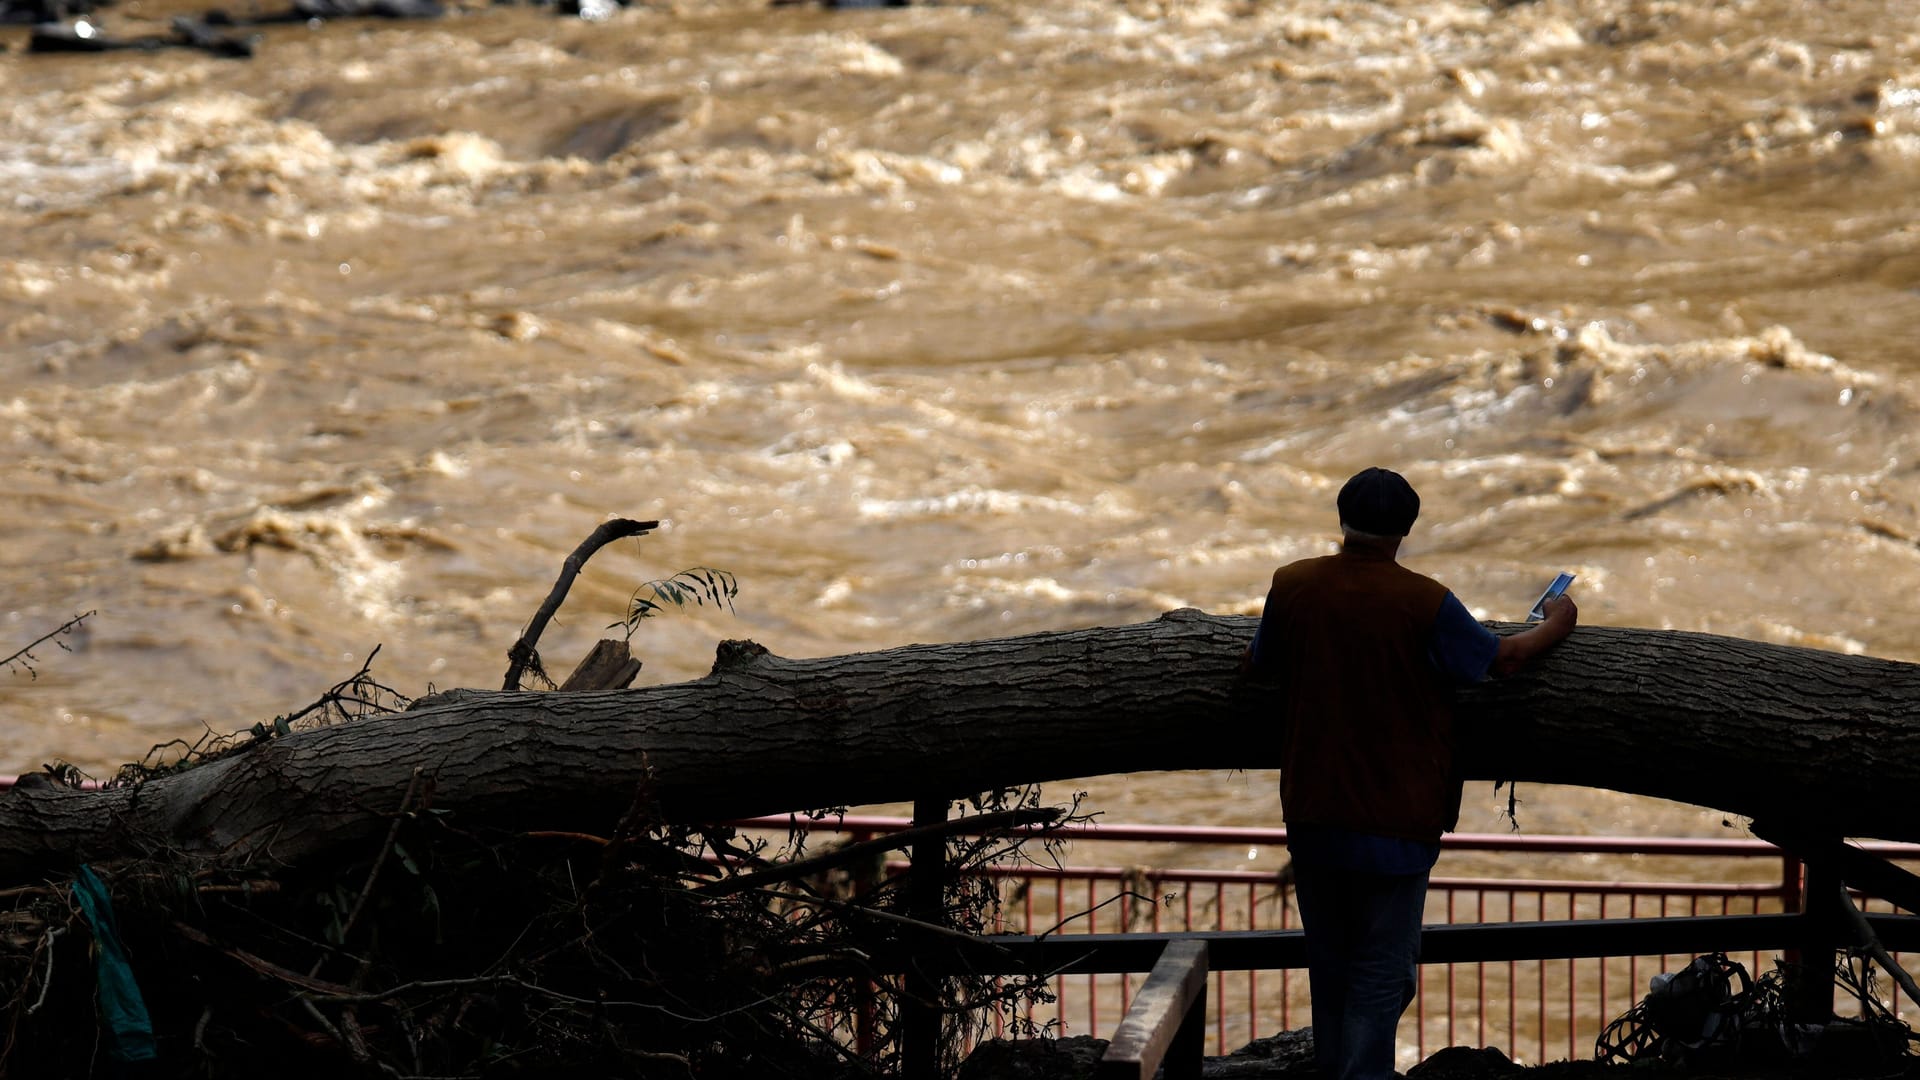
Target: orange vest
pixel 1367 721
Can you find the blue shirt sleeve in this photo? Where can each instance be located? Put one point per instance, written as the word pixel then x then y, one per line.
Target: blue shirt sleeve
pixel 1461 648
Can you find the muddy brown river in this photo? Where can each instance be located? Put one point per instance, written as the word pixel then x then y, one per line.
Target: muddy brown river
pixel 940 323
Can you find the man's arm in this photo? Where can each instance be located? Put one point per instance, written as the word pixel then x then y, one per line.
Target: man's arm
pixel 1251 658
pixel 1519 650
pixel 1260 650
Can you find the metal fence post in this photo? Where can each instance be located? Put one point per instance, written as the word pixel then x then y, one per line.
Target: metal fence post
pixel 1810 989
pixel 865 1009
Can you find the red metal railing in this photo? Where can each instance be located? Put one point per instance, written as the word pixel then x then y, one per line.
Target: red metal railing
pixel 1532 1010
pixel 1526 1008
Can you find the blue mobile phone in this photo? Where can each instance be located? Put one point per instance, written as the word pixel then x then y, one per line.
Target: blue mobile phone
pixel 1560 583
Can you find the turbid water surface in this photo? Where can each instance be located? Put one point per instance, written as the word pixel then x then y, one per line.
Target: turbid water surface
pixel 939 323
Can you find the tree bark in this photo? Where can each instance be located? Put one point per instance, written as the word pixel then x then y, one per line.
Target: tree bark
pixel 1828 741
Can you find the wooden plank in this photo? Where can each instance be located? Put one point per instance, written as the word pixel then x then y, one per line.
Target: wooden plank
pixel 609 666
pixel 1164 1005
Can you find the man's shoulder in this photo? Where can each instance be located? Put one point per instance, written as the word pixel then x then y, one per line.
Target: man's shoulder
pixel 1415 577
pixel 1301 569
pixel 1420 594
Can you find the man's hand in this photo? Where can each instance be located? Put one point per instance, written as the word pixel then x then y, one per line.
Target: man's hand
pixel 1561 606
pixel 1517 650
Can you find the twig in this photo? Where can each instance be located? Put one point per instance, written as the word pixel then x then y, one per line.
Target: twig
pixel 314 1011
pixel 46 983
pixel 560 834
pixel 25 655
pixel 283 932
pixel 1115 898
pixel 342 995
pixel 838 956
pixel 245 888
pixel 651 1055
pixel 264 967
pixel 1870 941
pixel 373 872
pixel 522 653
pixel 356 1040
pixel 338 692
pixel 888 916
pixel 826 1039
pixel 255 885
pixel 855 852
pixel 508 980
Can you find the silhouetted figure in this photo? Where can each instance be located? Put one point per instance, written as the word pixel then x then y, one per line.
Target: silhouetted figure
pixel 1362 651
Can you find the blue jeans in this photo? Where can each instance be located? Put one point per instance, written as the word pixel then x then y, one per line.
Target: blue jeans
pixel 1363 951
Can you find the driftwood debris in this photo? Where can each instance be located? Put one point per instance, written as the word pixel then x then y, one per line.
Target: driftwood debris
pixel 523 656
pixel 610 665
pixel 1828 741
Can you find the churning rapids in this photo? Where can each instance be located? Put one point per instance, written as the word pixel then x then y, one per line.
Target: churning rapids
pixel 941 323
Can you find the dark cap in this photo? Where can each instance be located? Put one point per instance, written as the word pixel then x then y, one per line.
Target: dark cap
pixel 1379 501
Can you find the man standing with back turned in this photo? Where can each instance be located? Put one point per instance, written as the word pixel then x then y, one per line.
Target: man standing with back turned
pixel 1362 651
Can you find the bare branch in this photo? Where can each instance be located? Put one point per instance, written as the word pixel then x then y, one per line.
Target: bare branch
pixel 24 658
pixel 523 655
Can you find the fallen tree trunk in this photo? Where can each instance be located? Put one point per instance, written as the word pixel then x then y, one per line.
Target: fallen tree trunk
pixel 1829 741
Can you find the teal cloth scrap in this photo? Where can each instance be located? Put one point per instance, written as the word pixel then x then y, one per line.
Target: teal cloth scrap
pixel 121 1005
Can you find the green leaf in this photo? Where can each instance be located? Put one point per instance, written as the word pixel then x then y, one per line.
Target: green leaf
pixel 700 584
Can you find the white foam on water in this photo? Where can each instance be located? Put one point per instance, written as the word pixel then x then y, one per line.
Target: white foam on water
pixel 1130 288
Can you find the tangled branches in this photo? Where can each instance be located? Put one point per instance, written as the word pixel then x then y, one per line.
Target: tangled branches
pixel 1712 1016
pixel 452 951
pixel 353 698
pixel 462 947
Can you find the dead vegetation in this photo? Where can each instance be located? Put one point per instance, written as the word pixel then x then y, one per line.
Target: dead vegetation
pixel 451 948
pixel 653 950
